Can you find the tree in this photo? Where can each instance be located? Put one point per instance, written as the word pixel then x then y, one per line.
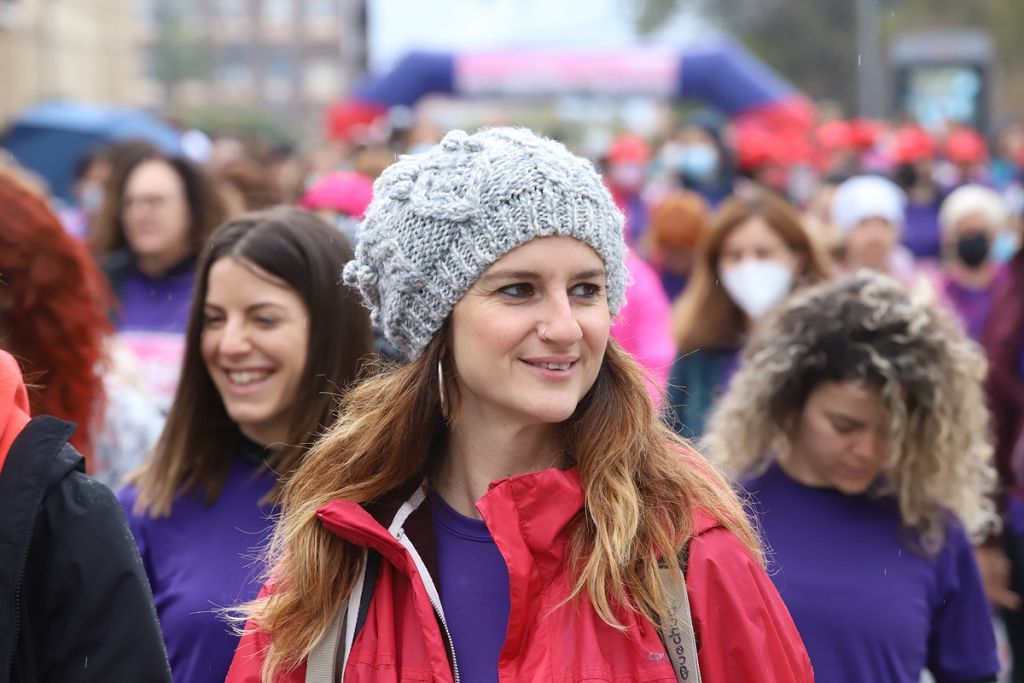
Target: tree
pixel 813 43
pixel 809 42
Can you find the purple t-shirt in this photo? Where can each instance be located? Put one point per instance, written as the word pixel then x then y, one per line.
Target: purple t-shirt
pixel 921 230
pixel 972 306
pixel 156 305
pixel 474 587
pixel 673 283
pixel 867 605
pixel 201 558
pixel 151 322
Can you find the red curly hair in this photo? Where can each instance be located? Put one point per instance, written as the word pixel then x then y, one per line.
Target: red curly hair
pixel 53 311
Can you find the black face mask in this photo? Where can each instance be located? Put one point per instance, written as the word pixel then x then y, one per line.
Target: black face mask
pixel 973 249
pixel 906 176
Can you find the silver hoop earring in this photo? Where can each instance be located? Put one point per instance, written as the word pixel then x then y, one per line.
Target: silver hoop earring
pixel 440 389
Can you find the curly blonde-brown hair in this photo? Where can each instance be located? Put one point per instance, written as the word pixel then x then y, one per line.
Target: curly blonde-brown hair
pixel 867 328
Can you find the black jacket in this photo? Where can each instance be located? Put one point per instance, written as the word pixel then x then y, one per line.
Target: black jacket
pixel 74 601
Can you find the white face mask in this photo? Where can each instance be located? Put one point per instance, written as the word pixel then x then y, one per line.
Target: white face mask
pixel 628 176
pixel 757 284
pixel 91 198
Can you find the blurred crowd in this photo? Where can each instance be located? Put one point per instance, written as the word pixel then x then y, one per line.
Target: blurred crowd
pixel 723 226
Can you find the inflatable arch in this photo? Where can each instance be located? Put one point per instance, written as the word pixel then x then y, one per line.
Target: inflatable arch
pixel 721 74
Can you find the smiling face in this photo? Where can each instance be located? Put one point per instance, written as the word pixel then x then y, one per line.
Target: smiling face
pixel 529 336
pixel 255 343
pixel 841 440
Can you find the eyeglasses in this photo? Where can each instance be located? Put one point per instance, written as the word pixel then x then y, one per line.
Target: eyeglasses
pixel 148 201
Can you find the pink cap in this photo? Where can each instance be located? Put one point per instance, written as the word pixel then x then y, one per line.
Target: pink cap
pixel 628 148
pixel 346 192
pixel 966 146
pixel 911 144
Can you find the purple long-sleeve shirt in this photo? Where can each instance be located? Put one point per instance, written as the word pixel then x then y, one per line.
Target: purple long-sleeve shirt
pixel 201 558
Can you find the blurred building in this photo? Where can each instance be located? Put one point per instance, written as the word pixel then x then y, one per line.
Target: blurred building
pixel 84 50
pixel 286 58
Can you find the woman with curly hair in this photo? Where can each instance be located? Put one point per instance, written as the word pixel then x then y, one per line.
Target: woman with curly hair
pixel 507 505
pixel 754 254
pixel 53 311
pixel 857 424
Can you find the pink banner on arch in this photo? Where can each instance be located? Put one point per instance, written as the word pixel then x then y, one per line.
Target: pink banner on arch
pixel 654 72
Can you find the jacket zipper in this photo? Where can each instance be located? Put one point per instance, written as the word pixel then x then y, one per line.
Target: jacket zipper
pixel 438 612
pixel 449 642
pixel 18 587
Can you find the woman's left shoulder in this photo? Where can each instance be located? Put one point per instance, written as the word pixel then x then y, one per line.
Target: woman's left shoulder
pixel 955 539
pixel 711 543
pixel 956 557
pixel 745 630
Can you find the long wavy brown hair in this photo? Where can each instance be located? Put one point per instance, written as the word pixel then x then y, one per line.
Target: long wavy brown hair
pixel 704 316
pixel 641 484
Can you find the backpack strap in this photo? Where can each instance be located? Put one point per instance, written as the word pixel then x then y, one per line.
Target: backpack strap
pixel 323 658
pixel 326 661
pixel 678 634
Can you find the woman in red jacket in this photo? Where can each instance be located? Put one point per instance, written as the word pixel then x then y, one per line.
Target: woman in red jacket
pixel 496 509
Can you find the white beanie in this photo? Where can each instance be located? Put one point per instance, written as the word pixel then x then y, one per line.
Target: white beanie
pixel 969 199
pixel 867 196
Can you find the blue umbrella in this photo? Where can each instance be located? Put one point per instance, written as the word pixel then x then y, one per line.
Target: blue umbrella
pixel 50 138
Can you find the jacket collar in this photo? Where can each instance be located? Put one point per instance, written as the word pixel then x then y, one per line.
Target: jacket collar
pixel 542 504
pixel 552 495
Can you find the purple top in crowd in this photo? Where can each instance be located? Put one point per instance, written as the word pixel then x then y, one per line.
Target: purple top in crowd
pixel 156 305
pixel 151 320
pixel 972 305
pixel 474 591
pixel 673 283
pixel 867 605
pixel 921 230
pixel 201 558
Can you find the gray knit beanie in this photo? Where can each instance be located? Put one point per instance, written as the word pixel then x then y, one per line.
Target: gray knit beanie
pixel 439 219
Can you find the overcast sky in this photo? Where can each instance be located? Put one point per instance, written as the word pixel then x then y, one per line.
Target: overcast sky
pixel 398 26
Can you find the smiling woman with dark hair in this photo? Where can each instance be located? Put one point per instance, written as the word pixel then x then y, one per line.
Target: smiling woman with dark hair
pixel 273 339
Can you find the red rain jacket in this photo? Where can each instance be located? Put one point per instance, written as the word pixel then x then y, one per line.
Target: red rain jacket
pixel 14 409
pixel 744 630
